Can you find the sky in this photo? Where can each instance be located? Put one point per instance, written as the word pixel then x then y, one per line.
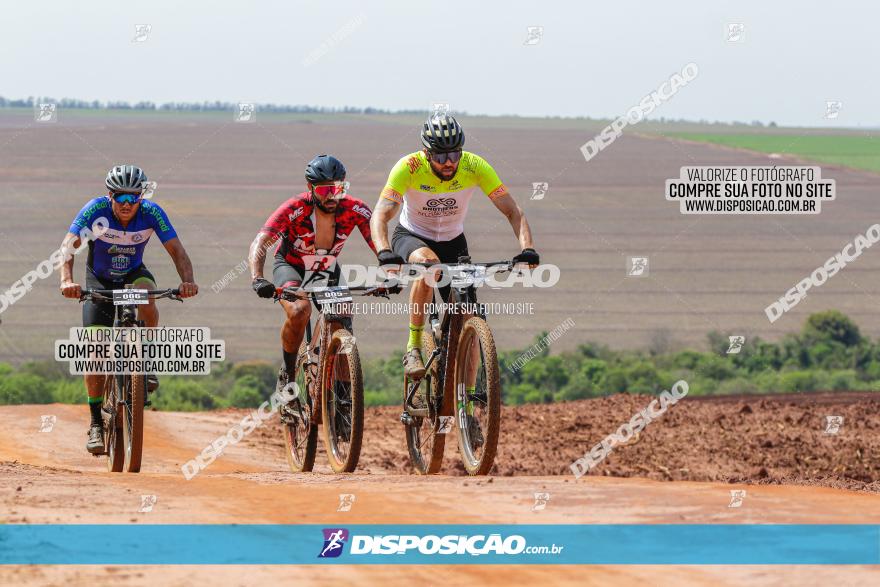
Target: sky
pixel 594 59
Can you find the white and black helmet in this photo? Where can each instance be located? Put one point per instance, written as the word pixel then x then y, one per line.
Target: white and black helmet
pixel 442 133
pixel 127 179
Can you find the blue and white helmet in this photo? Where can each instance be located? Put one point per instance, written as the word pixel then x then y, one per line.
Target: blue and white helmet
pixel 126 179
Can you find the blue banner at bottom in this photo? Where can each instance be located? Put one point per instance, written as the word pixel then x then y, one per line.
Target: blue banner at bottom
pixel 698 544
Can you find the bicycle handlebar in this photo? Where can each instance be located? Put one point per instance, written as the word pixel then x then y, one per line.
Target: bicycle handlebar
pixel 296 293
pixel 107 294
pixel 506 265
pixel 486 264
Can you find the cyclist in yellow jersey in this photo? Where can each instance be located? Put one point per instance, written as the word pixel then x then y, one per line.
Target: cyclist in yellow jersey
pixel 434 186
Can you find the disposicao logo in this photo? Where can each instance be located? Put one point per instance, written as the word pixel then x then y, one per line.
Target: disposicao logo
pixel 334 541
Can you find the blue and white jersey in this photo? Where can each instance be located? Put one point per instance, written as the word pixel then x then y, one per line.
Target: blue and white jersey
pixel 118 251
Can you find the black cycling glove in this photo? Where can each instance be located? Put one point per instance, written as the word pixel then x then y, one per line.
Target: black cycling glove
pixel 264 288
pixel 389 257
pixel 529 256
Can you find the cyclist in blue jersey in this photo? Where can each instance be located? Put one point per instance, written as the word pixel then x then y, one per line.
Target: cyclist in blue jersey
pixel 116 260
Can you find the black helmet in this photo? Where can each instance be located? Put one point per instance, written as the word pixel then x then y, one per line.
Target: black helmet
pixel 128 179
pixel 442 133
pixel 325 168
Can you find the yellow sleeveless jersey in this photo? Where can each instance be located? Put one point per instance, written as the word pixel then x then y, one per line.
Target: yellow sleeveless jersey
pixel 433 208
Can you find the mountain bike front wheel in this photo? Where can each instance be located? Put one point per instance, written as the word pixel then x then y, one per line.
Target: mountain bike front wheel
pixel 133 420
pixel 477 396
pixel 342 402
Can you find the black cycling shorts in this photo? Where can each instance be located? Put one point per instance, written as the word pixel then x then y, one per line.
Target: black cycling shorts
pixel 404 243
pixel 286 275
pixel 104 313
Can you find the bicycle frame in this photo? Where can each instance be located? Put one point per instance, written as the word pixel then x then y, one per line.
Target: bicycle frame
pixel 317 336
pixel 446 347
pixel 324 328
pixel 121 389
pixel 126 314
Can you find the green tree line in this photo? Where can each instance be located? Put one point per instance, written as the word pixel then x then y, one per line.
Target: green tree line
pixel 829 353
pixel 205 106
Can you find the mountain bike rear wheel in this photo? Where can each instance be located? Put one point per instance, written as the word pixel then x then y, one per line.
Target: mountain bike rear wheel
pixel 425 439
pixel 113 434
pixel 300 434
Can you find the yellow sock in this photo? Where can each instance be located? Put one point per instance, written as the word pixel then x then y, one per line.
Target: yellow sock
pixel 415 337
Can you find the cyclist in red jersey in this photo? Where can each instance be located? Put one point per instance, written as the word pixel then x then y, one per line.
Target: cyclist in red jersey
pixel 311 227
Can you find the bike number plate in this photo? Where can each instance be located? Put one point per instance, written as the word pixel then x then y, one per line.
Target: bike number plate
pixel 467 275
pixel 125 297
pixel 332 295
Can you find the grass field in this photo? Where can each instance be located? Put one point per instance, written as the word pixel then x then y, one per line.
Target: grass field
pixel 856 151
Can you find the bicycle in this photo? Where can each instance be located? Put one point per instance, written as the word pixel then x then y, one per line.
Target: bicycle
pixel 461 350
pixel 329 390
pixel 125 394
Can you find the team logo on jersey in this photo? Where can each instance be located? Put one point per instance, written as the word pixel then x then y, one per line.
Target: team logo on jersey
pixel 414 164
pixel 440 207
pixel 118 250
pixel 137 238
pixel 427 188
pixel 120 263
pixel 362 210
pixel 441 203
pixel 468 164
pixel 295 215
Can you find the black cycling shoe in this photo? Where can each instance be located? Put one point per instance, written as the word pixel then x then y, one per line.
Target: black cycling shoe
pixel 152 383
pixel 292 410
pixel 282 380
pixel 95 445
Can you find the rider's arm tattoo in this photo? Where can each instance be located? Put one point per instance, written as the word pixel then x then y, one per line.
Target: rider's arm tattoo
pixel 517 218
pixel 257 253
pixel 181 259
pixel 385 210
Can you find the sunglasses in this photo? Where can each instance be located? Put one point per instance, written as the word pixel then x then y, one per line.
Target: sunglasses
pixel 334 189
pixel 126 198
pixel 441 158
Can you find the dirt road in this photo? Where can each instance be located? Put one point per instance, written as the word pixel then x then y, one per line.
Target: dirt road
pixel 46 477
